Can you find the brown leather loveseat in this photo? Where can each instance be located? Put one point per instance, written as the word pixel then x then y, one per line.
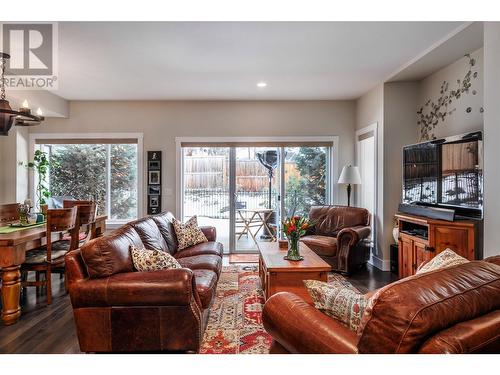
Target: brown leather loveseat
pixel 119 310
pixel 337 234
pixel 454 310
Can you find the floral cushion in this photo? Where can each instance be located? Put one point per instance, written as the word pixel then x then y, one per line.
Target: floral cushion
pixel 152 260
pixel 341 303
pixel 444 259
pixel 188 234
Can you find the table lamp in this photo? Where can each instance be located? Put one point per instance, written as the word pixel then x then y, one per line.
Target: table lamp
pixel 350 176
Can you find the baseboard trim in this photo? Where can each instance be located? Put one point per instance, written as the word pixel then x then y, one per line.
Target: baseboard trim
pixel 381 264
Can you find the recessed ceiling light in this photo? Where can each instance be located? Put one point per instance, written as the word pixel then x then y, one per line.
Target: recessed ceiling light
pixel 261 84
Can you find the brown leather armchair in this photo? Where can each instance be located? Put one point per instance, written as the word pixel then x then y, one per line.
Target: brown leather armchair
pixel 337 234
pixel 454 310
pixel 119 310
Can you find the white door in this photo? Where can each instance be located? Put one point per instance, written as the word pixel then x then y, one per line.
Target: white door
pixel 366 155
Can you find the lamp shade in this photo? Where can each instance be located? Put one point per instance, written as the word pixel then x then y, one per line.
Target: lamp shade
pixel 350 175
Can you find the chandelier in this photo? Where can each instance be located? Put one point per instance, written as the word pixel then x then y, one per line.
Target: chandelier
pixel 9 117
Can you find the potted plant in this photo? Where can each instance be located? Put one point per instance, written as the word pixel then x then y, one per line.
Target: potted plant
pixel 294 228
pixel 40 165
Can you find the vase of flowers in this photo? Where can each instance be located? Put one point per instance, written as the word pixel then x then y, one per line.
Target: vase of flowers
pixel 294 228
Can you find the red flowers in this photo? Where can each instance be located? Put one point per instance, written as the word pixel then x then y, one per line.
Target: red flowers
pixel 296 226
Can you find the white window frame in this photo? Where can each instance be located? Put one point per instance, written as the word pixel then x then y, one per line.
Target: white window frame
pixel 140 164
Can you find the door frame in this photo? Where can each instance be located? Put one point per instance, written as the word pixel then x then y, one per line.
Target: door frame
pixel 333 165
pixel 370 128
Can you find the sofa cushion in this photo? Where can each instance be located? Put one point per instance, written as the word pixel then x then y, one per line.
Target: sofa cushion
pixel 108 255
pixel 188 233
pixel 446 258
pixel 150 234
pixel 164 223
pixel 206 282
pixel 329 220
pixel 214 248
pixel 341 303
pixel 152 260
pixel 202 262
pixel 321 245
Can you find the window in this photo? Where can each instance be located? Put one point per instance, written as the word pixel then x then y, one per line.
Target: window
pixel 104 172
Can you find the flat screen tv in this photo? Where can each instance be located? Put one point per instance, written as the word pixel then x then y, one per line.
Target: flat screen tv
pixel 446 173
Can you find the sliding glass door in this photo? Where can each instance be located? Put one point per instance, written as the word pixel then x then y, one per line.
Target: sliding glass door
pixel 257 187
pixel 245 191
pixel 206 188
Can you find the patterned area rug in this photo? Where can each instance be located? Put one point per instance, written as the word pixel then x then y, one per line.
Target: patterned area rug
pixel 235 322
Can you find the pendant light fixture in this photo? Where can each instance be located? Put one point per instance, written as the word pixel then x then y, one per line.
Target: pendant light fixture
pixel 9 117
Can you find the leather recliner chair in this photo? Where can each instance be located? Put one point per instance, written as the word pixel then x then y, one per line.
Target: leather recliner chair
pixel 337 236
pixel 453 310
pixel 119 310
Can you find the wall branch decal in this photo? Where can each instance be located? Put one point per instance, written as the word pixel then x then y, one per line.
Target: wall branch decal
pixel 432 113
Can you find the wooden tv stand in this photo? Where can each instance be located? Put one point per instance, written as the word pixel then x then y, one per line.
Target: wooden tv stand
pixel 421 239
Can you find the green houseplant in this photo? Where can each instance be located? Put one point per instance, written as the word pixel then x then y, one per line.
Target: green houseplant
pixel 40 165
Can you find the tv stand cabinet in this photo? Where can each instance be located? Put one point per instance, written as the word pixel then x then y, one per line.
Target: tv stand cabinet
pixel 421 239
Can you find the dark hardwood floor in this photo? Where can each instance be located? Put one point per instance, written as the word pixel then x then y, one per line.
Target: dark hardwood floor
pixel 50 329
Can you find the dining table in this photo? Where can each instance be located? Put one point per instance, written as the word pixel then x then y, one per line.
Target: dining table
pixel 14 243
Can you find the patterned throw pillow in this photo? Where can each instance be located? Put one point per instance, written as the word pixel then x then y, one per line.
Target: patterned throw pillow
pixel 343 304
pixel 188 234
pixel 444 259
pixel 152 260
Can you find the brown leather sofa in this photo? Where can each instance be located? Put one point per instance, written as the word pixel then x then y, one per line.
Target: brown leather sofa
pixel 119 310
pixel 454 310
pixel 337 236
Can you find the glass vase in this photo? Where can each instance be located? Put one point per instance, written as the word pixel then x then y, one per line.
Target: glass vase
pixel 293 250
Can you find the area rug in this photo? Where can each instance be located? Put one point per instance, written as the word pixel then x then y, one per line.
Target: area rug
pixel 243 258
pixel 235 322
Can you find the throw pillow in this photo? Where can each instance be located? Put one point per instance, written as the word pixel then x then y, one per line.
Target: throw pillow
pixel 444 259
pixel 188 234
pixel 152 260
pixel 341 303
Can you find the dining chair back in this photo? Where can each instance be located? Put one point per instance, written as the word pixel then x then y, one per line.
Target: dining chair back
pixel 86 216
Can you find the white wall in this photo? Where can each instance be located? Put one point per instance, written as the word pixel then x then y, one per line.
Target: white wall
pixel 161 122
pixel 491 138
pixel 459 121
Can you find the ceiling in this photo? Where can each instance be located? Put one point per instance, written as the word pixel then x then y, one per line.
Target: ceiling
pixel 225 60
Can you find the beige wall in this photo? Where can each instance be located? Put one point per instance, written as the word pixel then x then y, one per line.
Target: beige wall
pixel 399 130
pixel 162 122
pixel 459 121
pixel 491 138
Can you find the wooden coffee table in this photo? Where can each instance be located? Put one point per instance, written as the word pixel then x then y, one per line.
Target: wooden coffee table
pixel 280 275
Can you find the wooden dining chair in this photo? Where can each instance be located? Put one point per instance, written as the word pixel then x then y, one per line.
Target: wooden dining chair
pixel 86 216
pixel 51 256
pixel 9 213
pixel 85 219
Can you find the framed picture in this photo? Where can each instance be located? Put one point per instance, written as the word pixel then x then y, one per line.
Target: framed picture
pixel 154 165
pixel 154 200
pixel 154 190
pixel 154 178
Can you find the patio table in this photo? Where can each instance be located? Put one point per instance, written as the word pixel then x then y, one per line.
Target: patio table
pixel 254 218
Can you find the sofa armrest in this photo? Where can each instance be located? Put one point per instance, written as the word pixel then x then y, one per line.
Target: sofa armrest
pixel 210 233
pixel 173 287
pixel 353 235
pixel 301 328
